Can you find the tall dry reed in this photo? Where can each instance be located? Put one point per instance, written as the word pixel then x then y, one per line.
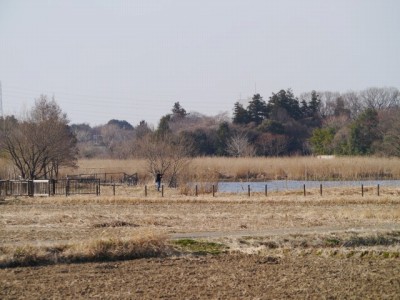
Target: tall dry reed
pixel 7 170
pixel 261 168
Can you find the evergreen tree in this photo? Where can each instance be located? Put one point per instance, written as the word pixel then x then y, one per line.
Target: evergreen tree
pixel 321 140
pixel 122 124
pixel 240 114
pixel 178 111
pixel 311 111
pixel 364 132
pixel 315 104
pixel 223 134
pixel 272 127
pixel 284 100
pixel 163 127
pixel 257 109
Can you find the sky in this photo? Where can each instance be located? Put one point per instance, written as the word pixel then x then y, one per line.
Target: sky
pixel 132 60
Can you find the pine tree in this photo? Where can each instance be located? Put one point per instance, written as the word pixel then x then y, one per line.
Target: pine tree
pixel 285 100
pixel 240 114
pixel 257 109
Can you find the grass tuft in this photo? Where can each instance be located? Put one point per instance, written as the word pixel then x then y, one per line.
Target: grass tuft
pixel 368 241
pixel 115 223
pixel 110 249
pixel 199 247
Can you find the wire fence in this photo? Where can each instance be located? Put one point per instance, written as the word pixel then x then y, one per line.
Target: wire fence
pixel 94 186
pixel 49 187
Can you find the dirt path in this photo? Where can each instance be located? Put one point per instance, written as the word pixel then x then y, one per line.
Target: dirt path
pixel 286 231
pixel 245 233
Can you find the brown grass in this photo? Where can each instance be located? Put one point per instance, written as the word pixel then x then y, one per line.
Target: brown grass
pixel 129 225
pixel 80 218
pixel 105 249
pixel 6 169
pixel 259 168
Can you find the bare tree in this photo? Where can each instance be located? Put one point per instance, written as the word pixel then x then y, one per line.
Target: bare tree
pixel 328 102
pixel 381 98
pixel 354 103
pixel 42 143
pixel 239 146
pixel 118 141
pixel 166 155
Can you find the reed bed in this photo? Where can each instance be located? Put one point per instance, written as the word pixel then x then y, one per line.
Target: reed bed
pixel 261 168
pixel 6 169
pixel 301 168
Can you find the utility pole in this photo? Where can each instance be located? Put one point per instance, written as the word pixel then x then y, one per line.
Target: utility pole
pixel 1 109
pixel 1 102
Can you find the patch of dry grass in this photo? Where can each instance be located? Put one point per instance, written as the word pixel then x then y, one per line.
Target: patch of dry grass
pixel 341 244
pixel 106 249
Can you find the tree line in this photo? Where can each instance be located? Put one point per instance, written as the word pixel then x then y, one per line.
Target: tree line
pixel 315 123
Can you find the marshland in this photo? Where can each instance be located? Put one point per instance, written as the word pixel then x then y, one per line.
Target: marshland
pixel 259 168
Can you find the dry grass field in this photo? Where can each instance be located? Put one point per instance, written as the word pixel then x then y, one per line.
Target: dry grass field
pixel 261 168
pixel 231 246
pixel 339 245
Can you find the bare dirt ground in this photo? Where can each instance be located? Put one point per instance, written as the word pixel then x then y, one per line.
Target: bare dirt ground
pixel 287 246
pixel 211 277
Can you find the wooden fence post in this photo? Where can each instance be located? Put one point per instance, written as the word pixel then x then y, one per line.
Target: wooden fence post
pixel 196 191
pixel 266 190
pixel 145 190
pixel 362 190
pixel 378 189
pixel 320 189
pixel 213 191
pixel 248 190
pixel 114 189
pixel 162 190
pixel 304 189
pixel 54 186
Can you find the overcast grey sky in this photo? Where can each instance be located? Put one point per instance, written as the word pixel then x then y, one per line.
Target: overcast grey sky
pixel 131 60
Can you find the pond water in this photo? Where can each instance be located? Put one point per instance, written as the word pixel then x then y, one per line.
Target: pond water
pixel 285 185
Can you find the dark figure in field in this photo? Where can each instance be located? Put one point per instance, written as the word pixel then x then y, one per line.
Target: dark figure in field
pixel 158 181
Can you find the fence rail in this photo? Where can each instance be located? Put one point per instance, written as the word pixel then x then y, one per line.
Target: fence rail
pixel 49 187
pixel 116 177
pixel 66 187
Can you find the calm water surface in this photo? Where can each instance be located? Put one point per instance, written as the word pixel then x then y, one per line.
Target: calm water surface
pixel 284 185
